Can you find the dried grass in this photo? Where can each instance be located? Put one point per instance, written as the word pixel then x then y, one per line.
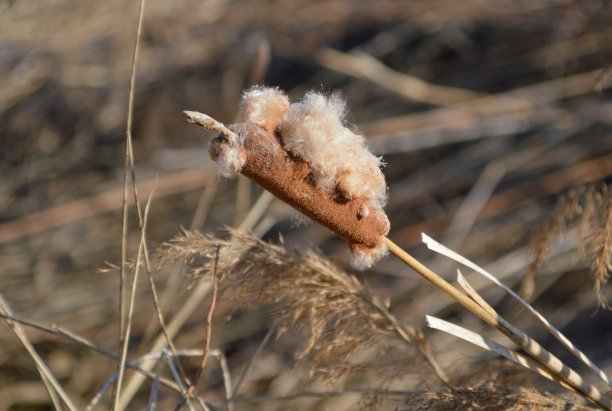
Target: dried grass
pixel 487 396
pixel 338 312
pixel 601 246
pixel 590 207
pixel 65 65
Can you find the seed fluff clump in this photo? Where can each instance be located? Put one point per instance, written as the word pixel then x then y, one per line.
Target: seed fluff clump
pixel 320 149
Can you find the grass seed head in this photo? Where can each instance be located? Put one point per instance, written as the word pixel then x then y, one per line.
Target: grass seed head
pixel 335 310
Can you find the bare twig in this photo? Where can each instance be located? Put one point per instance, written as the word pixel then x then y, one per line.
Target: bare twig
pixel 196 377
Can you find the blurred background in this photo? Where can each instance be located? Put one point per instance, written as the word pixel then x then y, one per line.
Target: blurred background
pixel 494 120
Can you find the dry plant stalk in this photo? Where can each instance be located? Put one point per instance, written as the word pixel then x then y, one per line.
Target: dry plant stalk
pixel 277 146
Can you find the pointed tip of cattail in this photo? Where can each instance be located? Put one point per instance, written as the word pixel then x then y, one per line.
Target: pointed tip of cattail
pixel 198 118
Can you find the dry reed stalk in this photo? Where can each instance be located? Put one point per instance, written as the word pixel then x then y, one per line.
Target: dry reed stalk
pixel 124 323
pixel 126 318
pixel 206 352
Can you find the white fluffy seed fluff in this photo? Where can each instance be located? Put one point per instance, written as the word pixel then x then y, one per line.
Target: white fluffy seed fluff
pixel 264 106
pixel 231 161
pixel 314 130
pixel 361 260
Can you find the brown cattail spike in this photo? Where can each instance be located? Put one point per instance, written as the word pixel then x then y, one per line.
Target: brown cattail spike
pixel 304 155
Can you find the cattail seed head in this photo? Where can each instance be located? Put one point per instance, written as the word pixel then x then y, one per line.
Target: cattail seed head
pixel 304 155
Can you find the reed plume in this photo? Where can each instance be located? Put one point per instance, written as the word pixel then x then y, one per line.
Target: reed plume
pixel 308 293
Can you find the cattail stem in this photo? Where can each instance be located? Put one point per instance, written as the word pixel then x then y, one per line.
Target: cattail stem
pixel 552 363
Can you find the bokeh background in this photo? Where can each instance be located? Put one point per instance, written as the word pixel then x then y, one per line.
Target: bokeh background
pixel 487 114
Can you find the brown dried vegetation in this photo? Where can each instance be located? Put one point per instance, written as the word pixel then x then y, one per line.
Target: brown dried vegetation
pixel 488 396
pixel 591 208
pixel 486 112
pixel 336 310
